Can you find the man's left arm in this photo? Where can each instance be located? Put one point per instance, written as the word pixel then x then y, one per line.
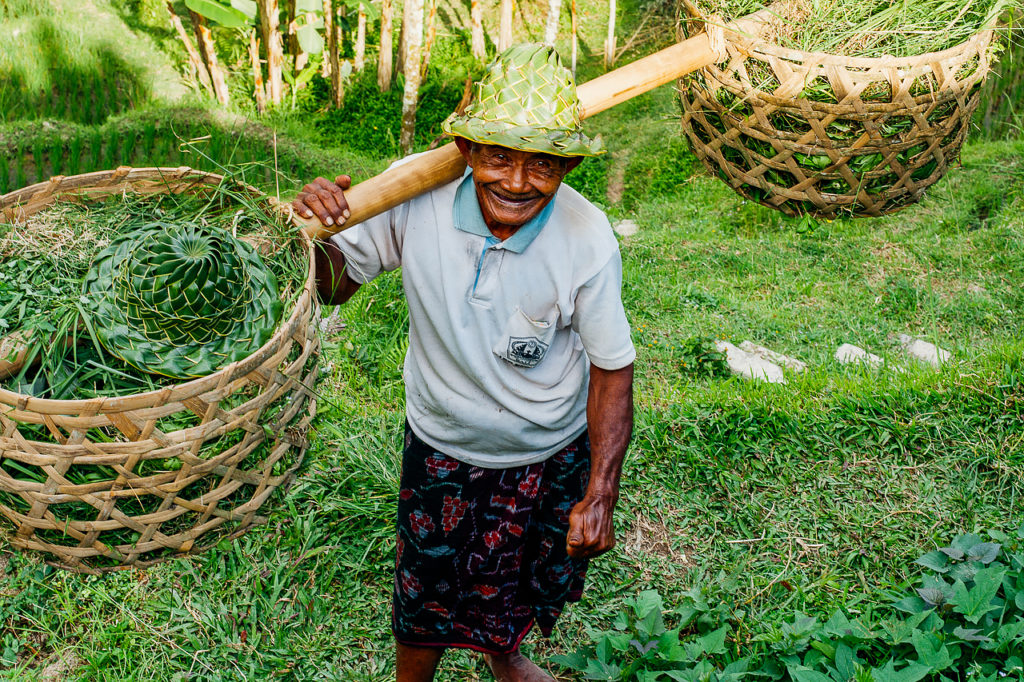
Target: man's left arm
pixel 610 425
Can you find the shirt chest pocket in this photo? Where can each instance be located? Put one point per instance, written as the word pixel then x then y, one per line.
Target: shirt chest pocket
pixel 524 341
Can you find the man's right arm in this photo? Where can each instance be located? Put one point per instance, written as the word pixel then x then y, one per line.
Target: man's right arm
pixel 326 201
pixel 333 285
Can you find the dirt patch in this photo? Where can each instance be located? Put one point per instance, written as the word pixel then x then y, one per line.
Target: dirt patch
pixel 617 176
pixel 655 537
pixel 59 666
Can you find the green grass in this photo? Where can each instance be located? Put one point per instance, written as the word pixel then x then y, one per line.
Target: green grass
pixel 76 61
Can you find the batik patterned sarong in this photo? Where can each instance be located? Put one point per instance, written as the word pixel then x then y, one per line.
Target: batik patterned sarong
pixel 481 553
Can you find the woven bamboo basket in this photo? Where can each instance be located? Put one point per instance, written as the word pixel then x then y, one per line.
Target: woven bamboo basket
pixel 888 127
pixel 153 494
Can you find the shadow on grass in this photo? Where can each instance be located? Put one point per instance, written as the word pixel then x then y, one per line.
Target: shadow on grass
pixel 86 88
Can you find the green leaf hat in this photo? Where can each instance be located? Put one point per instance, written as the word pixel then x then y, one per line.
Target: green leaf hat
pixel 181 300
pixel 527 101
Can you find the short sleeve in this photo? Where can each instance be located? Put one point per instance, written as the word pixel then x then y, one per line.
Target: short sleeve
pixel 600 318
pixel 374 246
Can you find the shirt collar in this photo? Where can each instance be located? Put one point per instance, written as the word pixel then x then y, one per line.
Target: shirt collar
pixel 469 218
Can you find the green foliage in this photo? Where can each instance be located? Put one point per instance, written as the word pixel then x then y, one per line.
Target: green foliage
pixel 699 358
pixel 590 178
pixel 963 619
pixel 370 120
pixel 663 172
pixel 641 646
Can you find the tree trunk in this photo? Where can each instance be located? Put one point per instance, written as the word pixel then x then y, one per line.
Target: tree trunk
pixel 575 38
pixel 331 32
pixel 257 71
pixel 270 27
pixel 609 41
pixel 360 48
pixel 476 18
pixel 551 26
pixel 428 44
pixel 505 26
pixel 205 41
pixel 202 75
pixel 384 59
pixel 293 38
pixel 410 98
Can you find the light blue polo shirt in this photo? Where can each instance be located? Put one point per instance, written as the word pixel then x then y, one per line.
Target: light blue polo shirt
pixel 501 333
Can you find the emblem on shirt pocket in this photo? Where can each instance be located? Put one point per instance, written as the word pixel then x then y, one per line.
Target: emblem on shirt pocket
pixel 526 351
pixel 524 341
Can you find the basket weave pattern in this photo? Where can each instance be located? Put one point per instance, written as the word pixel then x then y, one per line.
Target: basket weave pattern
pixel 151 493
pixel 893 129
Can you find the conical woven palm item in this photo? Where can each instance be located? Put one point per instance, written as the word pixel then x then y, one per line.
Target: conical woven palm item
pixel 181 300
pixel 526 101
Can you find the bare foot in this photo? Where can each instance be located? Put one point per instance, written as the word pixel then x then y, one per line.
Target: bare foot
pixel 515 667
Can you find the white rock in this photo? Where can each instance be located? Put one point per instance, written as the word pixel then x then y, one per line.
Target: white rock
pixel 626 228
pixel 923 351
pixel 849 354
pixel 750 366
pixel 772 356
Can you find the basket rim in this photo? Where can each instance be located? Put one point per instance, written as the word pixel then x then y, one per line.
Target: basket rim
pixel 193 387
pixel 752 44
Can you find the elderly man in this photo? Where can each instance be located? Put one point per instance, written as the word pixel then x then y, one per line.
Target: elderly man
pixel 518 376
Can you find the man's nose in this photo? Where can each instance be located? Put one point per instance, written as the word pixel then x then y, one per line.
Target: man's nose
pixel 516 181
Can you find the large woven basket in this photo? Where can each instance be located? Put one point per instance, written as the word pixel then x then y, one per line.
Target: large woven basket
pixel 888 129
pixel 151 493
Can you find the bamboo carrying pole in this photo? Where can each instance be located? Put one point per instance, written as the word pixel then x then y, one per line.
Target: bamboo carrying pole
pixel 444 164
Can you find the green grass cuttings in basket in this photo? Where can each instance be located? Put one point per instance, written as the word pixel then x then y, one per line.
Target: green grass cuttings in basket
pixel 82 345
pixel 868 28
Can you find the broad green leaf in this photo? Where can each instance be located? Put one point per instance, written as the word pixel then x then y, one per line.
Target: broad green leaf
pixel 912 605
pixel 1020 531
pixel 911 673
pixel 1019 600
pixel 965 542
pixel 970 635
pixel 803 674
pixel 669 648
pixel 310 39
pixel 933 596
pixel 246 7
pixel 931 651
pixel 649 676
pixel 714 642
pixel 846 662
pixel 975 602
pixel 935 560
pixel 646 602
pixel 598 670
pixel 225 15
pixel 965 571
pixel 984 552
pixel 577 660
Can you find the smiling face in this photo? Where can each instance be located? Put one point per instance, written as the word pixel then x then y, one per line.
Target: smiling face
pixel 513 186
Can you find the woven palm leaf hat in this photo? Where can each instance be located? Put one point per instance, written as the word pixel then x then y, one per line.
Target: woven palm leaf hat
pixel 526 101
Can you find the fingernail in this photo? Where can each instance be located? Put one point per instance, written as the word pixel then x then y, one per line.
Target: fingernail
pixel 308 214
pixel 330 220
pixel 346 213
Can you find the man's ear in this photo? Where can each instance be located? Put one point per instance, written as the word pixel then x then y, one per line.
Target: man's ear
pixel 572 162
pixel 465 146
